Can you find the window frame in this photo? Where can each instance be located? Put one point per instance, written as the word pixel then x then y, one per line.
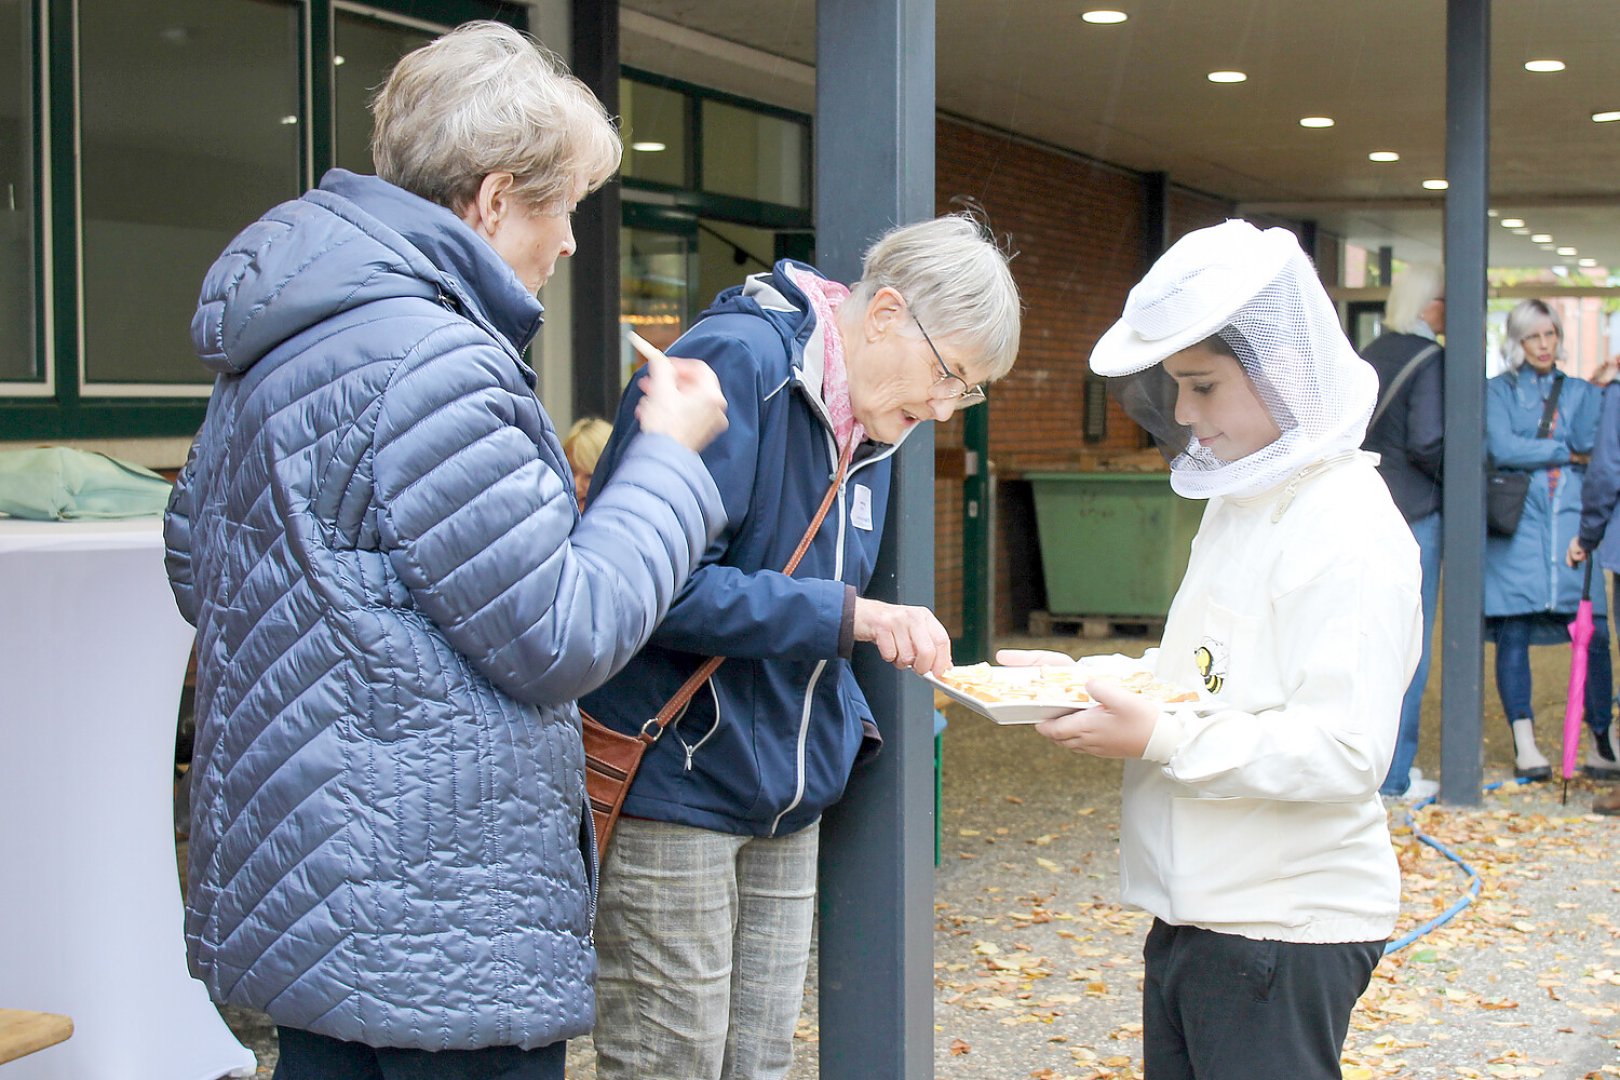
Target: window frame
pixel 64 404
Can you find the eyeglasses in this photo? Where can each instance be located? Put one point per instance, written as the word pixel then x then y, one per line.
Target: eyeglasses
pixel 950 386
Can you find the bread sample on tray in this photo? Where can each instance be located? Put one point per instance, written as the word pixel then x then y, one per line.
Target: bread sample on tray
pixel 1027 695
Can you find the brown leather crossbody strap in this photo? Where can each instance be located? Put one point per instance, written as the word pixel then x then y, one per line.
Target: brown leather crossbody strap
pixel 655 727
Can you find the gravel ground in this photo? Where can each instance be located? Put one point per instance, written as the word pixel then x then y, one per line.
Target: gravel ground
pixel 1038 968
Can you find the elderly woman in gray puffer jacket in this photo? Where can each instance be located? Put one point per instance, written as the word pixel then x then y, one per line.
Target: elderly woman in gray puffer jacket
pixel 396 598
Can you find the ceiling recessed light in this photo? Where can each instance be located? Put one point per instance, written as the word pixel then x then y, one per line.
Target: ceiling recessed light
pixel 1383 155
pixel 1512 223
pixel 1567 251
pixel 1521 232
pixel 1493 213
pixel 1104 17
pixel 1436 185
pixel 1316 121
pixel 1608 116
pixel 1227 77
pixel 289 119
pixel 1544 65
pixel 648 147
pixel 1541 238
pixel 1546 247
pixel 337 61
pixel 1586 262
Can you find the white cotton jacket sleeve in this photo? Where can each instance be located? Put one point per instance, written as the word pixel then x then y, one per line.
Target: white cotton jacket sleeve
pixel 1299 613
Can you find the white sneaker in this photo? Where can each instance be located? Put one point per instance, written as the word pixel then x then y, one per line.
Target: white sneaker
pixel 1600 765
pixel 1421 789
pixel 1528 761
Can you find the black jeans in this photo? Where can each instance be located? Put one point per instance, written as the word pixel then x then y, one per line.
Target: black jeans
pixel 308 1056
pixel 1221 1007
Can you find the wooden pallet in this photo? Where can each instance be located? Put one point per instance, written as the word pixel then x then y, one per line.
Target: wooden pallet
pixel 1048 624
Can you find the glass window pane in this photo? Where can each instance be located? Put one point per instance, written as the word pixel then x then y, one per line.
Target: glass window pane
pixel 753 155
pixel 727 253
pixel 366 50
pixel 654 126
pixel 190 130
pixel 655 289
pixel 17 359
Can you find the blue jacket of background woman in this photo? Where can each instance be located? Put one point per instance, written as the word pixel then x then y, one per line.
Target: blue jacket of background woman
pixel 1525 573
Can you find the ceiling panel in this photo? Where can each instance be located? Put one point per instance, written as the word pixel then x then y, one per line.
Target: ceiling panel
pixel 1137 94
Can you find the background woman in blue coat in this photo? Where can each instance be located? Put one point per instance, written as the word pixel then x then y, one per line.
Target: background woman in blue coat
pixel 396 599
pixel 709 885
pixel 1531 591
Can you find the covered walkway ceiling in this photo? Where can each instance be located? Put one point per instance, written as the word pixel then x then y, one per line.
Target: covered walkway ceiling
pixel 1137 94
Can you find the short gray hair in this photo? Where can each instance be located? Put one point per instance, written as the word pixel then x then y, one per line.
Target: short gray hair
pixel 1414 287
pixel 485 98
pixel 956 282
pixel 1520 321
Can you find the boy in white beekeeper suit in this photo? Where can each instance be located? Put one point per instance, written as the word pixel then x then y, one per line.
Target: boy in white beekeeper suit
pixel 1252 830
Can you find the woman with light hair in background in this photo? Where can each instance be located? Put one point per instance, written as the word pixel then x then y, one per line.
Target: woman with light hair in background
pixel 1407 433
pixel 709 886
pixel 584 444
pixel 1542 422
pixel 397 600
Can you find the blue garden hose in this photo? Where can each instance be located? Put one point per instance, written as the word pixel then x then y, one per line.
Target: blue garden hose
pixel 1473 877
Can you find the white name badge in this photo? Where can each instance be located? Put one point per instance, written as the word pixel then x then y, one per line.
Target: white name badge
pixel 860 515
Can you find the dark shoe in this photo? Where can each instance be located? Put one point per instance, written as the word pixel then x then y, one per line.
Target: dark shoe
pixel 1601 762
pixel 1608 803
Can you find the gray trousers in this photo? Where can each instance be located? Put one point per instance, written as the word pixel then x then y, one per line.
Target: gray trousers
pixel 702 940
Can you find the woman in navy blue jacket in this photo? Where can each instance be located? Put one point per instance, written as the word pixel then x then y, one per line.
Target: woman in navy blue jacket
pixel 709 884
pixel 1530 591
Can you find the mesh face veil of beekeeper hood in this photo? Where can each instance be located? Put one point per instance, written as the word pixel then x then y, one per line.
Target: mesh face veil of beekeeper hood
pixel 1260 295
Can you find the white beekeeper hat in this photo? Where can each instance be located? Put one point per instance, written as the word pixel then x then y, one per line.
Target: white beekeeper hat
pixel 1191 292
pixel 1258 293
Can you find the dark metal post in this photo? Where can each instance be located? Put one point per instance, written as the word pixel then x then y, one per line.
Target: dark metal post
pixel 977 617
pixel 1386 265
pixel 1155 217
pixel 1462 651
pixel 595 265
pixel 875 169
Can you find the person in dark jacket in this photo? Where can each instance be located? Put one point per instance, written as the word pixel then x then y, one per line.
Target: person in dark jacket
pixel 397 600
pixel 708 887
pixel 1531 593
pixel 1597 539
pixel 1408 435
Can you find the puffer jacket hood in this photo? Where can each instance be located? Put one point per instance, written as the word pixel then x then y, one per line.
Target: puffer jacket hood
pixel 397 604
pixel 351 241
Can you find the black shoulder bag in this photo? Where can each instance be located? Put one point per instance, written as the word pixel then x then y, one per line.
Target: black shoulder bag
pixel 1506 489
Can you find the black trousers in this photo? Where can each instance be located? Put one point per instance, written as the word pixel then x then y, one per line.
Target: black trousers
pixel 1221 1007
pixel 308 1056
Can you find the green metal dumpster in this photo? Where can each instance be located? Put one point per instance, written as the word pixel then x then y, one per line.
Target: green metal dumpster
pixel 1112 544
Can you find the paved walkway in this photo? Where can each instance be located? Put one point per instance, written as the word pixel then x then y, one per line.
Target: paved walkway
pixel 1038 968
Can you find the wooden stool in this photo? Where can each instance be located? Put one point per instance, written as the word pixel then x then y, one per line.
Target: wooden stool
pixel 22 1033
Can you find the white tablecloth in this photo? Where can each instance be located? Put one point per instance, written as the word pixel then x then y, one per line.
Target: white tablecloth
pixel 92 657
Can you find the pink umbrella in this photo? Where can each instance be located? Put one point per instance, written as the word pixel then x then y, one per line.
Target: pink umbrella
pixel 1580 635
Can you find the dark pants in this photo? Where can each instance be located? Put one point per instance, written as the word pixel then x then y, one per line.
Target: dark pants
pixel 1514 636
pixel 308 1056
pixel 1220 1007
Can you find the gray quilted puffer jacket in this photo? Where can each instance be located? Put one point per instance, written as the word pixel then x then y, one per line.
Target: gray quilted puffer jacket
pixel 397 605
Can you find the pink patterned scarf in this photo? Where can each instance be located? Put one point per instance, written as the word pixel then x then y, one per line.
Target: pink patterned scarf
pixel 826 297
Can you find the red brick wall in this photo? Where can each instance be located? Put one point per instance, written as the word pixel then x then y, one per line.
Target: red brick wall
pixel 1076 227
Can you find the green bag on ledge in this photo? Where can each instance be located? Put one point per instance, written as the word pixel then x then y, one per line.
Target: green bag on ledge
pixel 57 483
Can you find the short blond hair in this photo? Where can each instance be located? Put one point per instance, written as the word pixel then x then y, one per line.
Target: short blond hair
pixel 485 98
pixel 585 442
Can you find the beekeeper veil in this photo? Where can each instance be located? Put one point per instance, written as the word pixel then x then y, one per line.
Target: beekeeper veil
pixel 1259 295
